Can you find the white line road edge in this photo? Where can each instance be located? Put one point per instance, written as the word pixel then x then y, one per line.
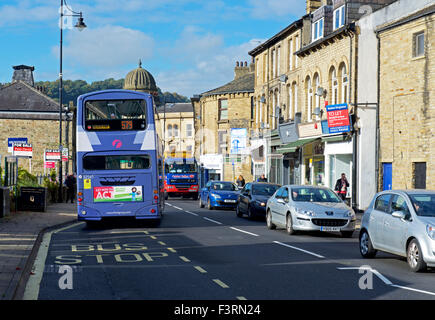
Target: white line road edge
pixel 299 249
pixel 252 234
pixel 211 220
pixel 32 287
pixel 386 280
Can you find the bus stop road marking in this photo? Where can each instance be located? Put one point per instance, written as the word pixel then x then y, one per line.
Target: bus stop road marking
pixel 200 269
pixel 184 259
pixel 220 283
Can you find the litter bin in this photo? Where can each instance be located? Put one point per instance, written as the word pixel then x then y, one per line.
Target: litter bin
pixel 5 202
pixel 32 199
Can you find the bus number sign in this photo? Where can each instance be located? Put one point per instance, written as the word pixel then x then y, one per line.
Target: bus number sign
pixel 127 125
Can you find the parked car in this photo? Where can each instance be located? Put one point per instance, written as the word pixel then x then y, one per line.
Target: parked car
pixel 253 198
pixel 219 194
pixel 401 222
pixel 309 208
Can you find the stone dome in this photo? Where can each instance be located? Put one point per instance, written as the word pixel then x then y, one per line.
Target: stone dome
pixel 140 79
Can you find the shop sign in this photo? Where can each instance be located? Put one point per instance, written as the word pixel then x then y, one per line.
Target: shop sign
pixel 311 129
pixel 238 141
pixel 338 118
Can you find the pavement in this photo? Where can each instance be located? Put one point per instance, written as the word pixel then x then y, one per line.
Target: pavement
pixel 20 234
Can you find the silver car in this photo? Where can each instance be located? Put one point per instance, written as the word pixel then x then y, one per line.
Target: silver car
pixel 309 208
pixel 401 222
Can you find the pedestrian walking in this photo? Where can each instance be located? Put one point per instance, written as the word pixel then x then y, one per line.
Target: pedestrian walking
pixel 240 181
pixel 70 183
pixel 341 186
pixel 262 178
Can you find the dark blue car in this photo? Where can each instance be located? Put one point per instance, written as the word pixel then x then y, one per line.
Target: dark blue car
pixel 253 199
pixel 219 194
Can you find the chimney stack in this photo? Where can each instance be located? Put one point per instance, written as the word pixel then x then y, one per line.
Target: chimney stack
pixel 241 69
pixel 23 73
pixel 313 5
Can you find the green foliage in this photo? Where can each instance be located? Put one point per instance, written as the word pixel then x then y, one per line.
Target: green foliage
pixel 73 89
pixel 52 186
pixel 26 179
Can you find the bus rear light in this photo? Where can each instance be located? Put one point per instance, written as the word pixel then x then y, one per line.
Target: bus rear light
pixel 153 210
pixel 156 197
pixel 156 191
pixel 80 194
pixel 80 199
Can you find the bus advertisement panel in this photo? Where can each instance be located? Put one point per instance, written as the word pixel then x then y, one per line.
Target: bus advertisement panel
pixel 119 157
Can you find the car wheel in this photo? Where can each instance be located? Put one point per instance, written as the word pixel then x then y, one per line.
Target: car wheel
pixel 209 206
pixel 238 213
pixel 269 223
pixel 365 245
pixel 346 234
pixel 201 205
pixel 289 225
pixel 415 257
pixel 250 215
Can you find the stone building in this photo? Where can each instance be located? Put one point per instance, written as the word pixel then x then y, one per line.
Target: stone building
pixel 319 70
pixel 223 121
pixel 26 112
pixel 178 121
pixel 407 102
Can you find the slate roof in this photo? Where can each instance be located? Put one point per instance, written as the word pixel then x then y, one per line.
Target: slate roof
pixel 19 100
pixel 176 107
pixel 245 83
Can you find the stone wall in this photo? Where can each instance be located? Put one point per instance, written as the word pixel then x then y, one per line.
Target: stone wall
pixel 407 103
pixel 42 134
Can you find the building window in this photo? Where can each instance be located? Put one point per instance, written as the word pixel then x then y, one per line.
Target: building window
pixel 264 67
pixel 309 99
pixel 318 29
pixel 418 44
pixel 175 131
pixel 223 109
pixel 334 86
pixel 296 49
pixel 273 64
pixel 295 97
pixel 290 54
pixel 290 102
pixel 339 17
pixel 189 149
pixel 169 130
pixel 222 142
pixel 278 62
pixel 316 86
pixel 189 131
pixel 344 84
pixel 257 67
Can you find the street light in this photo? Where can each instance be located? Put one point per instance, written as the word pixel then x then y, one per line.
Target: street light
pixel 80 25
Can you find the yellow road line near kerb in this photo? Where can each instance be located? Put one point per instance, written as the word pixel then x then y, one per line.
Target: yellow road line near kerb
pixel 200 269
pixel 172 250
pixel 32 287
pixel 223 285
pixel 184 259
pixel 241 298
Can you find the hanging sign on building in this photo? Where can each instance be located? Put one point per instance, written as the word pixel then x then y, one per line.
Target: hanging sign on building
pixel 238 140
pixel 338 118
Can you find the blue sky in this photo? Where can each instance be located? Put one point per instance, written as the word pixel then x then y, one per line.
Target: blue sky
pixel 190 46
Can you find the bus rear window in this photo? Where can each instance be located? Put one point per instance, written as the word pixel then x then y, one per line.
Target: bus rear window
pixel 116 162
pixel 115 115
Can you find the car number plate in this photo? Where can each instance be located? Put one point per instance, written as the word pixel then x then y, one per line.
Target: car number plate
pixel 230 201
pixel 329 229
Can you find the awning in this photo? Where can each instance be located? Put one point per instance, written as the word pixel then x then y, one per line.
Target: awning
pixel 292 146
pixel 338 138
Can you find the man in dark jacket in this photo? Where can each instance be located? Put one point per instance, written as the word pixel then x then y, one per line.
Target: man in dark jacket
pixel 70 183
pixel 262 178
pixel 341 186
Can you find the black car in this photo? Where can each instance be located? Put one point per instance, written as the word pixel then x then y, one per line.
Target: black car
pixel 253 198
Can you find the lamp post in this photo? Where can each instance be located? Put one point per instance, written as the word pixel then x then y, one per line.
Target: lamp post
pixel 80 25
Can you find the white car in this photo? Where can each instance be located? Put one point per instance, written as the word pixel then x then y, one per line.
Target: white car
pixel 401 222
pixel 309 208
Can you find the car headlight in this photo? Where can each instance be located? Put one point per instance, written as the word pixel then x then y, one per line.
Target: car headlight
pixel 349 214
pixel 260 203
pixel 430 229
pixel 215 195
pixel 305 212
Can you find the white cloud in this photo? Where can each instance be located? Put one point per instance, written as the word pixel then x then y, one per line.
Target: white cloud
pixel 106 47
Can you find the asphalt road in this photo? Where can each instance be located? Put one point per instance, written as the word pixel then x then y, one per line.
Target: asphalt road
pixel 197 254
